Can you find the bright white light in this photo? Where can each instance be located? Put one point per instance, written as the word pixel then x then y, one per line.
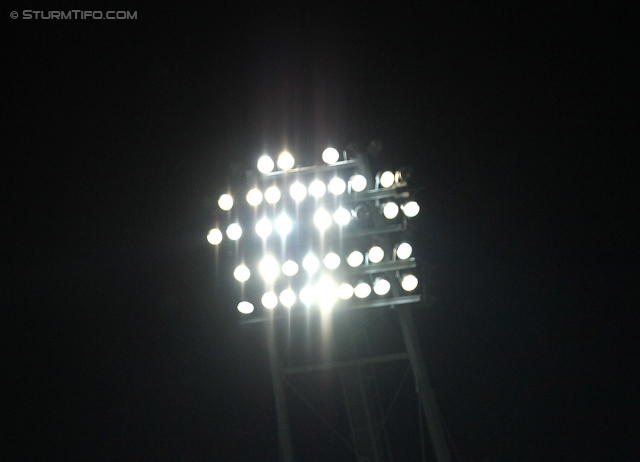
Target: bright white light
pixel 409 282
pixel 410 208
pixel 332 260
pixel 387 179
pixel 403 251
pixel 330 156
pixel 214 237
pixel 265 164
pixel 269 268
pixel 287 298
pixel 307 296
pixel 254 197
pixel 362 290
pixel 269 300
pixel 245 307
pixel 317 188
pixel 298 191
pixel 326 293
pixel 381 286
pixel 285 161
pixel 376 254
pixel 263 227
pixel 272 194
pixel 242 273
pixel 283 225
pixel 225 202
pixel 342 216
pixel 290 268
pixel 337 186
pixel 311 263
pixel 390 210
pixel 355 258
pixel 358 183
pixel 234 231
pixel 345 291
pixel 322 219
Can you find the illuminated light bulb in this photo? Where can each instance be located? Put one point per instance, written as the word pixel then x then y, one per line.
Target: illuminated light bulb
pixel 245 307
pixel 269 268
pixel 376 254
pixel 331 260
pixel 290 268
pixel 311 263
pixel 269 300
pixel 381 286
pixel 234 231
pixel 404 251
pixel 342 216
pixel 358 183
pixel 390 210
pixel 337 186
pixel 330 156
pixel 225 202
pixel 298 191
pixel 326 293
pixel 263 228
pixel 387 179
pixel 322 219
pixel 317 188
pixel 307 296
pixel 242 273
pixel 215 236
pixel 254 197
pixel 355 258
pixel 409 282
pixel 410 208
pixel 345 291
pixel 362 290
pixel 265 164
pixel 285 161
pixel 272 194
pixel 287 298
pixel 283 225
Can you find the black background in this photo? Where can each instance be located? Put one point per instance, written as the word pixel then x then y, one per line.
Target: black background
pixel 122 342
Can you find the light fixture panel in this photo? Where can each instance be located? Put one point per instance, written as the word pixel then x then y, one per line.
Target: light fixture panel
pixel 272 195
pixel 234 231
pixel 387 179
pixel 214 237
pixel 245 307
pixel 298 191
pixel 285 161
pixel 330 156
pixel 269 300
pixel 390 210
pixel 265 164
pixel 317 189
pixel 358 183
pixel 225 202
pixel 254 197
pixel 337 186
pixel 409 282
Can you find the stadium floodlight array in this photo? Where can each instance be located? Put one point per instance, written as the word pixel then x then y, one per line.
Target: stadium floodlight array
pixel 319 237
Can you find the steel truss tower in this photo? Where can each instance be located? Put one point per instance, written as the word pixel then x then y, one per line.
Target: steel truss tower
pixel 340 336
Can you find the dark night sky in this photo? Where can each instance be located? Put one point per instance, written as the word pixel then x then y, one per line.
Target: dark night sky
pixel 120 343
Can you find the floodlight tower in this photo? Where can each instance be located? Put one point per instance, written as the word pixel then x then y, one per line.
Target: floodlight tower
pixel 331 244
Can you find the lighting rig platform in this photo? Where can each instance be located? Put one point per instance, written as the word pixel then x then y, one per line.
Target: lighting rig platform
pixel 324 258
